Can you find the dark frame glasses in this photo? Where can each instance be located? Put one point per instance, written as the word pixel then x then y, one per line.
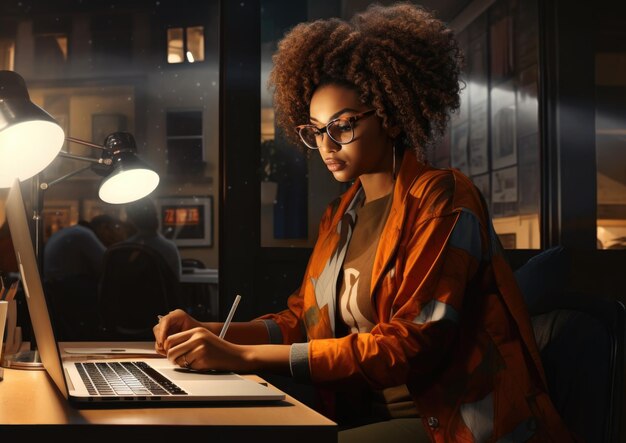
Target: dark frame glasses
pixel 340 130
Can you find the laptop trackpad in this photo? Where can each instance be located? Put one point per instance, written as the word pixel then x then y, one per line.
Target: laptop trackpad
pixel 191 375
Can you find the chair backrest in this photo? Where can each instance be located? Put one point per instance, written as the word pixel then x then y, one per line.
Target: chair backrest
pixel 136 286
pixel 581 340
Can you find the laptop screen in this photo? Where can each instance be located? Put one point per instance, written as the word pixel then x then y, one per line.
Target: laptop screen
pixel 33 289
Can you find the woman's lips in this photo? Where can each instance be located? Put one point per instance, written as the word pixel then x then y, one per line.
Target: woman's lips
pixel 334 165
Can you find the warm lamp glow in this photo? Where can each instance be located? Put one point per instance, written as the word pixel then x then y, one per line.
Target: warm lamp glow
pixel 129 185
pixel 28 148
pixel 29 137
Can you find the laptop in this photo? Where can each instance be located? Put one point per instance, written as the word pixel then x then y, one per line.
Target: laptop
pixel 81 379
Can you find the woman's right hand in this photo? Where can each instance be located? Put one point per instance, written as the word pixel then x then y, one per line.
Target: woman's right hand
pixel 172 323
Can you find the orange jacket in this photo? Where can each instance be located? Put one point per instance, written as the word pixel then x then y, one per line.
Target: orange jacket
pixel 451 323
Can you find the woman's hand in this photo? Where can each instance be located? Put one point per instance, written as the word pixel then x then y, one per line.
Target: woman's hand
pixel 172 323
pixel 200 349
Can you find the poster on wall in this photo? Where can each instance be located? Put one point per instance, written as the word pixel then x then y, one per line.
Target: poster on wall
pixel 478 161
pixel 527 102
pixel 483 184
pixel 504 185
pixel 503 126
pixel 458 150
pixel 477 71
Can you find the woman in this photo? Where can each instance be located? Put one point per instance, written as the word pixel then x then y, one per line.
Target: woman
pixel 408 316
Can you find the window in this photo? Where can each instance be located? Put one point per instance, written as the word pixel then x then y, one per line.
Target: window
pixel 610 98
pixel 51 41
pixel 185 44
pixel 184 143
pixel 7 54
pixel 494 137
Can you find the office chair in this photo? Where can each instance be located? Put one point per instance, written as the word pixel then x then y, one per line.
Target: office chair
pixel 581 341
pixel 135 287
pixel 73 305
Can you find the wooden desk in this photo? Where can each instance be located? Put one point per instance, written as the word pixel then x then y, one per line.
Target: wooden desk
pixel 31 405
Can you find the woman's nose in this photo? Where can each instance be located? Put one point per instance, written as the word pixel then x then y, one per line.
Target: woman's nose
pixel 328 144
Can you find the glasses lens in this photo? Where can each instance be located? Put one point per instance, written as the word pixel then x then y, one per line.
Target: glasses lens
pixel 340 130
pixel 311 136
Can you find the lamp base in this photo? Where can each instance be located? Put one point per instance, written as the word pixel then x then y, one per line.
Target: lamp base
pixel 23 360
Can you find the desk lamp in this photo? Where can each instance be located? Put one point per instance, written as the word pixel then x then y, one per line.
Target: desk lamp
pixel 30 139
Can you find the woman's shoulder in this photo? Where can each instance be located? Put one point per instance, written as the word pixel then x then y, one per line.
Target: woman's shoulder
pixel 444 191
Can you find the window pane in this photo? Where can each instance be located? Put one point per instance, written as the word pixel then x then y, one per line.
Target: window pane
pixel 175 51
pixel 611 134
pixel 295 184
pixel 184 143
pixel 195 44
pixel 494 138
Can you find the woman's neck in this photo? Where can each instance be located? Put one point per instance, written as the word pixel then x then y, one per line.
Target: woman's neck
pixel 380 183
pixel 376 185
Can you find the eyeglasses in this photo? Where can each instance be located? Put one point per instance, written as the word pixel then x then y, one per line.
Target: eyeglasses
pixel 340 130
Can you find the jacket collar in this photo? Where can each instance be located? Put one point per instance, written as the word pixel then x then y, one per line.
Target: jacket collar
pixel 410 170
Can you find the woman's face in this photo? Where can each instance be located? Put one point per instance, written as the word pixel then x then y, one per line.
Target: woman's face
pixel 370 152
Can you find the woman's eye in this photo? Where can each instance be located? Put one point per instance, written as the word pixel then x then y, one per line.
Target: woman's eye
pixel 342 126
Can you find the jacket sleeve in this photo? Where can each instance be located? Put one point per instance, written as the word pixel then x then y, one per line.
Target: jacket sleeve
pixel 436 259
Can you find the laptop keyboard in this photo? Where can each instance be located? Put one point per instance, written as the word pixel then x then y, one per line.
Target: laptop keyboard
pixel 125 378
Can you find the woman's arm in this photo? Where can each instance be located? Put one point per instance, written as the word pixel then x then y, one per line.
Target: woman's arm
pixel 178 321
pixel 243 333
pixel 201 349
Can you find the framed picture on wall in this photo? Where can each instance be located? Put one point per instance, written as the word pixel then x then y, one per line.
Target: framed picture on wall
pixel 478 151
pixel 483 183
pixel 503 126
pixel 504 185
pixel 188 221
pixel 458 149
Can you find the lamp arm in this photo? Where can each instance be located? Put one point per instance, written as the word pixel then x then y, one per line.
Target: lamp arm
pixel 46 185
pixel 106 161
pixel 85 143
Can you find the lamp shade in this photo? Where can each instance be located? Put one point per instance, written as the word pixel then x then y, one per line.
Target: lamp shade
pixel 29 137
pixel 130 179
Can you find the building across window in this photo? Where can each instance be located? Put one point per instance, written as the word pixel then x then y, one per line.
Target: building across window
pixel 184 143
pixel 185 44
pixel 7 53
pixel 111 40
pixel 51 43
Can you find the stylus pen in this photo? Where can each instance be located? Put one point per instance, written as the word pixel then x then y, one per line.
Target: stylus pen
pixel 230 316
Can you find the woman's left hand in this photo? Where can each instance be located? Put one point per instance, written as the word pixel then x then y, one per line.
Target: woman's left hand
pixel 200 349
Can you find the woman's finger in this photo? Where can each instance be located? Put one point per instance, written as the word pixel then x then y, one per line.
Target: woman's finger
pixel 179 344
